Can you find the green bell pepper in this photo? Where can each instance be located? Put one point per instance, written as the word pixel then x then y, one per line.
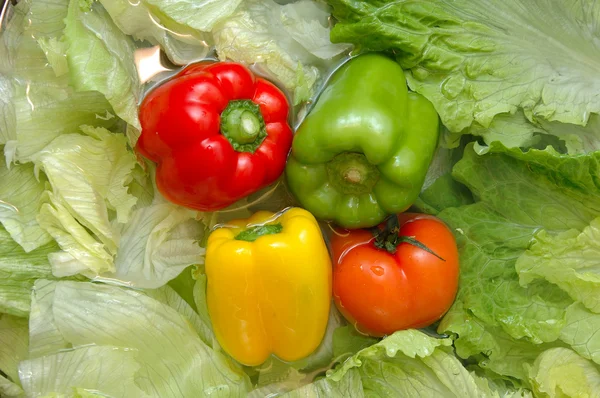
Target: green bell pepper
pixel 363 151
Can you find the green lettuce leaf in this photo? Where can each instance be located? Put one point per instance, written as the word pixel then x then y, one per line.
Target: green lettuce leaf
pixel 18 272
pixel 20 194
pixel 112 322
pixel 571 260
pixel 412 364
pixel 13 349
pixel 9 389
pixel 475 60
pixel 100 58
pixel 274 37
pixel 560 372
pixel 516 131
pixel 347 341
pixel 581 332
pixel 499 323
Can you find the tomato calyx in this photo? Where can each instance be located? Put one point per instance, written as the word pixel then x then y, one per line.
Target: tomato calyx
pixel 388 238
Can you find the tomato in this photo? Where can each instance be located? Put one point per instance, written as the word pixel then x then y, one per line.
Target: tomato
pixel 381 292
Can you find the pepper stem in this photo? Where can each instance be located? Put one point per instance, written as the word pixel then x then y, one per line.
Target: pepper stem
pixel 352 174
pixel 243 125
pixel 253 233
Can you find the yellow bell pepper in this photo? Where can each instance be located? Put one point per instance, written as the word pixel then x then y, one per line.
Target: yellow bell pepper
pixel 269 286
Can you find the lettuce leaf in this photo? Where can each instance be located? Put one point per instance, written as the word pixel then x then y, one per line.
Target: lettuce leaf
pixel 349 386
pixel 88 177
pixel 110 370
pixel 13 349
pixel 517 131
pixel 475 60
pixel 20 194
pixel 42 106
pixel 200 15
pixel 531 207
pixel 18 272
pixel 44 336
pixel 157 244
pixel 560 372
pixel 571 260
pixel 137 20
pixel 412 364
pixel 275 39
pixel 100 58
pixel 113 322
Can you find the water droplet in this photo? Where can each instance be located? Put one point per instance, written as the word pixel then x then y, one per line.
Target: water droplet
pixel 377 270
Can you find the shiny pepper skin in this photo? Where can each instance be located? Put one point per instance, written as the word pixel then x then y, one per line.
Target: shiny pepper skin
pixel 217 132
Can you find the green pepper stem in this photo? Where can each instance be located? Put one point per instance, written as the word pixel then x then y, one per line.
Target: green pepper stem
pixel 352 174
pixel 253 233
pixel 243 125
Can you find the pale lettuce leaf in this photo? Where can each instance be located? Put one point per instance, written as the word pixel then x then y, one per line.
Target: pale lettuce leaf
pixel 349 386
pixel 103 369
pixel 88 176
pixel 560 372
pixel 80 251
pixel 20 194
pixel 201 15
pixel 42 106
pixel 8 119
pixel 100 58
pixel 475 60
pixel 271 36
pixel 87 313
pixel 170 297
pixel 43 114
pixel 44 336
pixel 137 20
pixel 157 244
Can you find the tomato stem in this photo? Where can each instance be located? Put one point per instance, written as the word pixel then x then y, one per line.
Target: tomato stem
pixel 389 238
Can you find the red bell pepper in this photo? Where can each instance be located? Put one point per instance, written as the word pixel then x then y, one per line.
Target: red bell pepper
pixel 217 132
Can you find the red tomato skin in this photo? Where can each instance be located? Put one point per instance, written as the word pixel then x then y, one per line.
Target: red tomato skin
pixel 197 167
pixel 380 292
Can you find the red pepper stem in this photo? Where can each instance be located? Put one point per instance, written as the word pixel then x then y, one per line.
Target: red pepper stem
pixel 243 125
